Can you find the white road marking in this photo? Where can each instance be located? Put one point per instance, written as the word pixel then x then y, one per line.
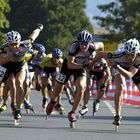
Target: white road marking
pixel 111 108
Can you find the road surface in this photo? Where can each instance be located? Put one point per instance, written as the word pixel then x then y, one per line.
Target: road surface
pixel 36 127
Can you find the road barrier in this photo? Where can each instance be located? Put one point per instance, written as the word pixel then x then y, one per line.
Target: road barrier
pixel 131 93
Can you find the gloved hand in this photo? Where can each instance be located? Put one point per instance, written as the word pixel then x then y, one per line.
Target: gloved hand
pixel 103 87
pixel 85 64
pixel 115 64
pixel 40 26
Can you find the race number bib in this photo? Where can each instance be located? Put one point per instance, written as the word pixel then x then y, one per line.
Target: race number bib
pixel 61 78
pixel 2 72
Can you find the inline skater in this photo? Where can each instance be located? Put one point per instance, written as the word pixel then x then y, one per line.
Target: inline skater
pixel 16 63
pixel 49 68
pixel 75 64
pixel 9 85
pixel 32 61
pixel 126 64
pixel 100 73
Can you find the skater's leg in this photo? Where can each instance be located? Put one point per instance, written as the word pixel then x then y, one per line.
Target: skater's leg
pixel 44 90
pixel 80 86
pixel 56 91
pixel 1 92
pixel 12 86
pixel 120 87
pixel 86 97
pixel 19 80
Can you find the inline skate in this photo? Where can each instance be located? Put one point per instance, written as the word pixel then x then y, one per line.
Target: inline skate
pixel 60 109
pixel 17 117
pixel 28 106
pixel 83 111
pixel 96 105
pixel 50 107
pixel 44 104
pixel 117 122
pixel 3 108
pixel 72 119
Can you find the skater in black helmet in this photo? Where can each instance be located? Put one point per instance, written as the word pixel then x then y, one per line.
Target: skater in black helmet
pixel 75 64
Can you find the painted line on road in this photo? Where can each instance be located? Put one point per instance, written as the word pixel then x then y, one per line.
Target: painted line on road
pixel 111 108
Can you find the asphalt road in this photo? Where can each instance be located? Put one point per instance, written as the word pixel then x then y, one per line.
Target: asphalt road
pixel 100 127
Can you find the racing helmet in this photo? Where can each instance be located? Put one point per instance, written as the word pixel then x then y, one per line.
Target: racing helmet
pixel 132 46
pixel 84 37
pixel 57 53
pixel 13 37
pixel 39 47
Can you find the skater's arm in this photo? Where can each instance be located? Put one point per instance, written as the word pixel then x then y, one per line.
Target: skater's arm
pixel 36 32
pixel 4 58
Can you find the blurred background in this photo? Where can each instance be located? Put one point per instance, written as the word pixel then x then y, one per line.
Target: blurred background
pixel 111 21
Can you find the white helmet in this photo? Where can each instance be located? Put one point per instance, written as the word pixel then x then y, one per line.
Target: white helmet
pixel 85 37
pixel 13 37
pixel 132 46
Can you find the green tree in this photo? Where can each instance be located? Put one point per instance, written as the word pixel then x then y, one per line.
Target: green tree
pixel 122 19
pixel 62 19
pixel 4 8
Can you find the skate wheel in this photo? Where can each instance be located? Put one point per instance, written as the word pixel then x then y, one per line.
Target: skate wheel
pixel 13 113
pixel 16 122
pixel 94 113
pixel 31 109
pixel 79 116
pixel 82 116
pixel 116 128
pixel 71 124
pixel 1 111
pixel 34 112
pixel 27 111
pixel 47 117
pixel 62 113
pixel 44 110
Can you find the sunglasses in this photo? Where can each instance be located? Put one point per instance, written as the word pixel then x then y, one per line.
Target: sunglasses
pixel 56 57
pixel 84 44
pixel 13 44
pixel 39 53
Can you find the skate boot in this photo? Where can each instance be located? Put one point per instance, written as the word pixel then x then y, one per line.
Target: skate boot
pixel 17 117
pixel 50 108
pixel 3 108
pixel 13 107
pixel 70 102
pixel 60 109
pixel 44 104
pixel 72 119
pixel 96 105
pixel 28 106
pixel 83 111
pixel 117 121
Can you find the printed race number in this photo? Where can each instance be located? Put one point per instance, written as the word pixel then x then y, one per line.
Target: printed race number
pixel 61 78
pixel 2 72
